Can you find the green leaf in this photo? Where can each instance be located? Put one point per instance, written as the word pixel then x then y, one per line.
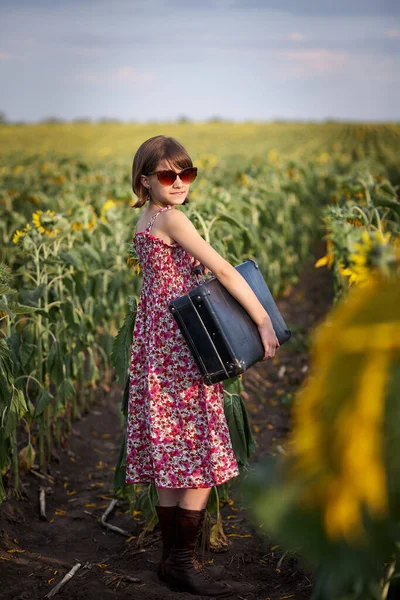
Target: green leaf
pixel 6 275
pixel 120 467
pixel 31 297
pixel 14 342
pixel 16 410
pixel 121 345
pixel 55 363
pixel 90 251
pixel 44 400
pixel 125 398
pixel 146 503
pixel 71 316
pixel 233 385
pixel 22 309
pixel 6 289
pixel 243 442
pixel 6 374
pixel 72 258
pixel 26 352
pixel 65 391
pixel 230 220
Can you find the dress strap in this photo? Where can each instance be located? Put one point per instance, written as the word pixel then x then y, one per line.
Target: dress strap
pixel 153 218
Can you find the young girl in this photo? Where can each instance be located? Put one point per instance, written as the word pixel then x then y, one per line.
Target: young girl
pixel 177 434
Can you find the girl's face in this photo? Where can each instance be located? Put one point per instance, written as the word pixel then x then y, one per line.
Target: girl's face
pixel 166 194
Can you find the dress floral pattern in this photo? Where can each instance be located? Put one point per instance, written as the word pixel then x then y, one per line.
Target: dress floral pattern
pixel 177 434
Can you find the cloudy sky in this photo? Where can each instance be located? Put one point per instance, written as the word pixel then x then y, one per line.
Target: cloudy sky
pixel 142 60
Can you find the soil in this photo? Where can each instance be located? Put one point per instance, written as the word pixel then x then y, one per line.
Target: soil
pixel 36 554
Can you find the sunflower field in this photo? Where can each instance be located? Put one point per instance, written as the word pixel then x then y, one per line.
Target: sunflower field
pixel 70 283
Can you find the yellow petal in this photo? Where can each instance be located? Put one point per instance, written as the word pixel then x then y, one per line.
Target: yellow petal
pixel 321 262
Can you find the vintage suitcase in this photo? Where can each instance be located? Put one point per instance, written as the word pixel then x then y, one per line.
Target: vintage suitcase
pixel 221 335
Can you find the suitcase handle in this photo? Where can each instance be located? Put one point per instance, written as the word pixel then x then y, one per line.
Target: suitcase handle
pixel 199 271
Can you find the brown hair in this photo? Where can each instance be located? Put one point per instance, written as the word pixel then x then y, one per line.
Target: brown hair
pixel 149 155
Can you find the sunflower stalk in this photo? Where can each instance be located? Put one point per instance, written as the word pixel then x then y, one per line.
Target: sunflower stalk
pixel 40 362
pixel 14 450
pixel 58 432
pixel 83 402
pixel 47 411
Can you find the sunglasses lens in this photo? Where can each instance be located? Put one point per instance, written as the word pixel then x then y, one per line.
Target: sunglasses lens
pixel 189 175
pixel 166 177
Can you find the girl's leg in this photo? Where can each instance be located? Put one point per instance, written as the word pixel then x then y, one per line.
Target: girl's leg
pixel 191 498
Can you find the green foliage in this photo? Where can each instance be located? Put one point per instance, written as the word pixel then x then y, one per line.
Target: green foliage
pixel 122 342
pixel 239 429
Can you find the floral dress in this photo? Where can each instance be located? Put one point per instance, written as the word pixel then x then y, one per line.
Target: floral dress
pixel 177 434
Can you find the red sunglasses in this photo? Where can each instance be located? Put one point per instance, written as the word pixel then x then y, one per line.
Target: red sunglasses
pixel 188 175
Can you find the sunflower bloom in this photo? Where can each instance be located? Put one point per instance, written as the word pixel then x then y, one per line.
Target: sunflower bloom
pixel 87 218
pixel 134 263
pixel 45 222
pixel 329 258
pixel 355 222
pixel 338 435
pixel 273 157
pixel 19 234
pixel 109 205
pixel 363 261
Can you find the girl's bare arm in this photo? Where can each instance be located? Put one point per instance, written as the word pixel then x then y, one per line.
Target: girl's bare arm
pixel 180 228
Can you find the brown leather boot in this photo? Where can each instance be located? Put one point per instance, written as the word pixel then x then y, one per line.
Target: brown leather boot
pixel 167 519
pixel 180 571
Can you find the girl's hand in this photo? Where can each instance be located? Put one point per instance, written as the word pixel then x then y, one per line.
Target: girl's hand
pixel 196 263
pixel 269 339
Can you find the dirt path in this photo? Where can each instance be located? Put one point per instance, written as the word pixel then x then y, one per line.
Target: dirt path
pixel 35 554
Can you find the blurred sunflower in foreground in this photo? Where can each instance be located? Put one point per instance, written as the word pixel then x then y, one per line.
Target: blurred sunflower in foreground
pixel 335 494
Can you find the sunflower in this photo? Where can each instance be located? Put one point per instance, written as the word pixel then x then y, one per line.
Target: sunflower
pixel 134 263
pixel 109 205
pixel 338 435
pixel 324 158
pixel 45 222
pixel 273 157
pixel 207 161
pixel 329 258
pixel 373 253
pixel 244 179
pixel 87 218
pixel 19 234
pixel 355 222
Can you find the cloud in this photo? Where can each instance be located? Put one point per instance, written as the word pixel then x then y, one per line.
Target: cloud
pixel 392 33
pixel 296 37
pixel 316 61
pixel 122 74
pixel 5 56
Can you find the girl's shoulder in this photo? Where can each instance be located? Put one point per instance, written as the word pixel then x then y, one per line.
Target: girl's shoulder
pixel 173 215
